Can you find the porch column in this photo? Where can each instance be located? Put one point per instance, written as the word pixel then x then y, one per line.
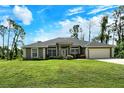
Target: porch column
pixel 86 52
pixel 69 49
pixel 44 53
pixel 37 52
pixel 112 52
pixel 59 50
pixel 79 50
pixel 24 52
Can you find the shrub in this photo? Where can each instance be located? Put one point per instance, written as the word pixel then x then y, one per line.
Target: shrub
pixel 56 57
pixel 74 55
pixel 36 59
pixel 59 57
pixel 69 57
pixel 121 54
pixel 81 56
pixel 119 50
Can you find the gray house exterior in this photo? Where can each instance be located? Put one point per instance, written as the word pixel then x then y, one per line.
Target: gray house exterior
pixel 67 46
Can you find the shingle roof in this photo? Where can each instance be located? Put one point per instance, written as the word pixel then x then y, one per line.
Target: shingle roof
pixel 73 41
pixel 38 44
pixel 97 44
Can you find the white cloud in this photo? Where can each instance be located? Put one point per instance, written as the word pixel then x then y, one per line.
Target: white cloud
pixel 42 35
pixel 65 25
pixel 84 23
pixel 100 9
pixel 4 20
pixel 74 11
pixel 23 14
pixel 42 10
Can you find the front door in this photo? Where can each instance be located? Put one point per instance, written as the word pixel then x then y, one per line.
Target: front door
pixel 64 52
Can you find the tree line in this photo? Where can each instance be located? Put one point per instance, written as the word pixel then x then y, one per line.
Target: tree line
pixel 109 31
pixel 12 36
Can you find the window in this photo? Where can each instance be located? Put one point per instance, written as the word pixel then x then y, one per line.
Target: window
pixel 74 51
pixel 40 53
pixel 52 51
pixel 34 53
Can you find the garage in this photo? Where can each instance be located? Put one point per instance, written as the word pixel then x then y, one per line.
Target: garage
pixel 99 52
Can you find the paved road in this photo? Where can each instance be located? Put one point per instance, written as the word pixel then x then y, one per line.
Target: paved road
pixel 117 61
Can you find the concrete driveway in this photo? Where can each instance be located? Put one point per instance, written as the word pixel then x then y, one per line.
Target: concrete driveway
pixel 116 61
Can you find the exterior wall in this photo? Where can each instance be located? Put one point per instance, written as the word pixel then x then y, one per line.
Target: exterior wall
pixel 44 53
pixel 24 53
pixel 28 53
pixel 112 52
pixel 82 50
pixel 86 53
pixel 59 49
pixel 65 50
pixel 40 52
pixel 51 48
pixel 37 52
pixel 79 50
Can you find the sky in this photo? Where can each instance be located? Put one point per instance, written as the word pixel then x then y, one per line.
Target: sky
pixel 44 22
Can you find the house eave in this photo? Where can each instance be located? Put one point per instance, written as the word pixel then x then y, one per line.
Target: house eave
pixel 98 46
pixel 35 47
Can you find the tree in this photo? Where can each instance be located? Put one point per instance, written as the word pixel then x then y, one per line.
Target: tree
pixel 103 28
pixel 74 31
pixel 118 31
pixel 107 37
pixel 90 23
pixel 2 33
pixel 119 50
pixel 18 38
pixel 81 34
pixel 104 35
pixel 118 24
pixel 10 25
pixel 97 38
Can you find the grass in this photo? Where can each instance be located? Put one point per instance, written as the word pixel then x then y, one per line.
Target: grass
pixel 60 74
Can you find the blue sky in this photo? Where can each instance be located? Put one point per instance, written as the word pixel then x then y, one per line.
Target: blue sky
pixel 43 22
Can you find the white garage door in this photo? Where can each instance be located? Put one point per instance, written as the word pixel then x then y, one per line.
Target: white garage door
pixel 99 53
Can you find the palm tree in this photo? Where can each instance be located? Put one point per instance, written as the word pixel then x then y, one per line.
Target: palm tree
pixel 103 28
pixel 2 33
pixel 18 38
pixel 107 37
pixel 11 23
pixel 75 30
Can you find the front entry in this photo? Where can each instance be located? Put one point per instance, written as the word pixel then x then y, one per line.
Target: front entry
pixel 64 52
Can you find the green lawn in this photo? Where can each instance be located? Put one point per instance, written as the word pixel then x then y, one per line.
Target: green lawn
pixel 61 73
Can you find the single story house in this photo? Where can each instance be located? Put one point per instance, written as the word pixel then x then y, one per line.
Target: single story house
pixel 67 46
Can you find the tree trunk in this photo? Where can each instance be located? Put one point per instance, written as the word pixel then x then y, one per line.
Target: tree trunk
pixel 89 32
pixel 8 44
pixel 3 47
